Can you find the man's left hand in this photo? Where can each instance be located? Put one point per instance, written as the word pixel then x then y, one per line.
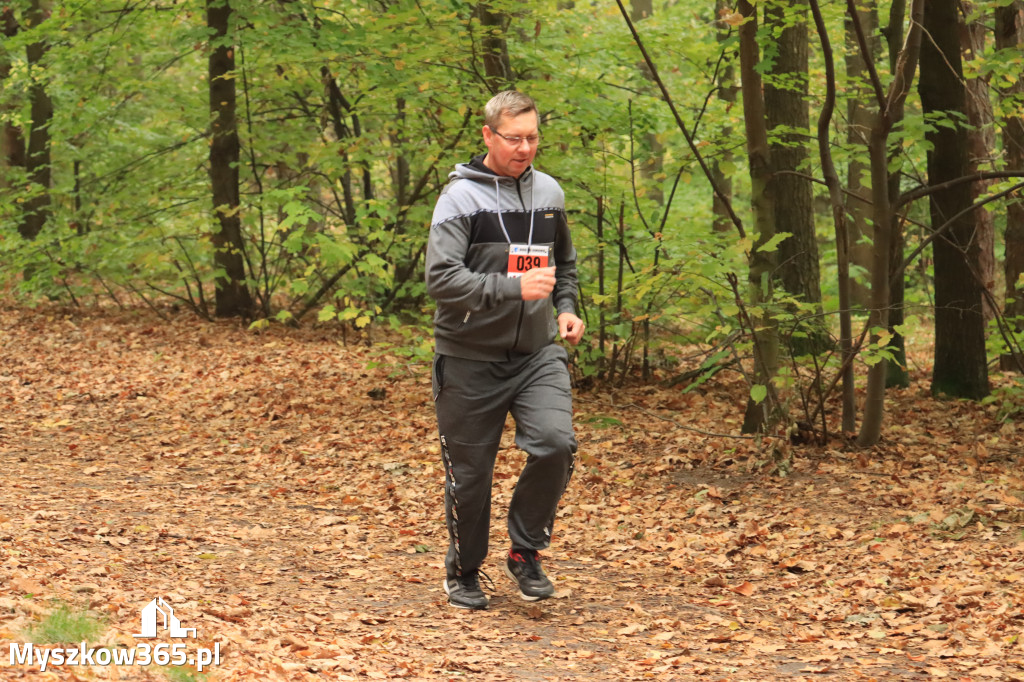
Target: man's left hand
pixel 570 328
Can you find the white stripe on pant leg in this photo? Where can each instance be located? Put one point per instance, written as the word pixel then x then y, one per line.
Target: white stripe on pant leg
pixel 568 478
pixel 450 476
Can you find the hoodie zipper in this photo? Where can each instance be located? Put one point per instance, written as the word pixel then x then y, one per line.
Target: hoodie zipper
pixel 522 202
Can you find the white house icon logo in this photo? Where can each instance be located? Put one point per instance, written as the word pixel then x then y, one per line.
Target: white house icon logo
pixel 170 622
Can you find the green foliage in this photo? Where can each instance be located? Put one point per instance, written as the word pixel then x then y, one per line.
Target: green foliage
pixel 350 116
pixel 180 674
pixel 333 178
pixel 1007 400
pixel 65 626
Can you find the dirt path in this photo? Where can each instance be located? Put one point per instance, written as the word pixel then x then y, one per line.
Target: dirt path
pixel 284 497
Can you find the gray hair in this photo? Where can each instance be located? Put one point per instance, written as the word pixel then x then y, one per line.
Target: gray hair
pixel 508 103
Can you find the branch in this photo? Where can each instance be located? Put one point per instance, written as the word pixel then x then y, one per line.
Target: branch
pixel 839 218
pixel 679 122
pixel 828 107
pixel 865 50
pixel 921 192
pixel 315 298
pixel 942 229
pixel 847 363
pixel 899 88
pixel 632 173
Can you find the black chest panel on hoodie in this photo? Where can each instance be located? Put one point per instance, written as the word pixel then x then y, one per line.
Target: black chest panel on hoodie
pixel 486 228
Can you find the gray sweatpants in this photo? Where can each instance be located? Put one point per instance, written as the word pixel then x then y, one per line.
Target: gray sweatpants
pixel 472 399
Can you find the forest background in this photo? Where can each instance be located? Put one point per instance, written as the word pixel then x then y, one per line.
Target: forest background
pixel 770 200
pixel 784 189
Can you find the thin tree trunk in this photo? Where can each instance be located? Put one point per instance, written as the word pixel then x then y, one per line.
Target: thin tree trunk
pixel 618 297
pixel 858 130
pixel 12 143
pixel 497 66
pixel 602 329
pixel 652 164
pixel 896 374
pixel 400 174
pixel 337 108
pixel 874 403
pixel 37 156
pixel 1010 36
pixel 762 264
pixel 652 151
pixel 727 92
pixel 890 111
pixel 960 368
pixel 232 293
pixel 839 219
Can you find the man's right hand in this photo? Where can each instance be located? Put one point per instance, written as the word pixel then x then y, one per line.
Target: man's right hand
pixel 537 283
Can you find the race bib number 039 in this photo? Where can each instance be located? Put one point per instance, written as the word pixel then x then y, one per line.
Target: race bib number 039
pixel 523 257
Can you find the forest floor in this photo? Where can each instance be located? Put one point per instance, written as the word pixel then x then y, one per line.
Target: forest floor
pixel 282 492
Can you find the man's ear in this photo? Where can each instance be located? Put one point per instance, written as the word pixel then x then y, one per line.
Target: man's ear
pixel 488 134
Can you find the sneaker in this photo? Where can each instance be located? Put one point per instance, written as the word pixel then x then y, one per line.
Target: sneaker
pixel 464 591
pixel 524 568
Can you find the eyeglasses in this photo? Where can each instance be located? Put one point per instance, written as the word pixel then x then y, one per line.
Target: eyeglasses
pixel 515 140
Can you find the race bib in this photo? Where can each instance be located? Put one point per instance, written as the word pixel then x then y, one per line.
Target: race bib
pixel 523 257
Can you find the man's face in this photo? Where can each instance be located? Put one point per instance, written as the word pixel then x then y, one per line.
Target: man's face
pixel 508 158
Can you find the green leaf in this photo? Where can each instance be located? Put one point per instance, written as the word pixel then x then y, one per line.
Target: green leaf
pixel 328 312
pixel 773 243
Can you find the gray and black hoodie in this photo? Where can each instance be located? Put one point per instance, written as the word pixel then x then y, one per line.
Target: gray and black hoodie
pixel 480 311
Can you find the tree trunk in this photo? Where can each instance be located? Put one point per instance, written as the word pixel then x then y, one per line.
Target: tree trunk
pixel 400 173
pixel 960 368
pixel 762 264
pixel 232 293
pixel 37 156
pixel 839 220
pixel 497 66
pixel 890 112
pixel 980 150
pixel 786 109
pixel 727 92
pixel 874 402
pixel 652 152
pixel 652 164
pixel 896 374
pixel 858 114
pixel 12 143
pixel 338 107
pixel 1010 36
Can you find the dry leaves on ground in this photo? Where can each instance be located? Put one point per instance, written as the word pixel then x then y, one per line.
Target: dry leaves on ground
pixel 285 497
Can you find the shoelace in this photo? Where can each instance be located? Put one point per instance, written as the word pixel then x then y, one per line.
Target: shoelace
pixel 471 580
pixel 529 562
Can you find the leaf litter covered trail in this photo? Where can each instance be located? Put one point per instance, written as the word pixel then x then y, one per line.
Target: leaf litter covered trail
pixel 284 496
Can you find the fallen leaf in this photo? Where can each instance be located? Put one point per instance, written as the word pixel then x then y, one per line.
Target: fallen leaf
pixel 631 629
pixel 745 588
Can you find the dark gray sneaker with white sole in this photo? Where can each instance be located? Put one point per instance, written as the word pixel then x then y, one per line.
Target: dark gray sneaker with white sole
pixel 464 591
pixel 523 566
